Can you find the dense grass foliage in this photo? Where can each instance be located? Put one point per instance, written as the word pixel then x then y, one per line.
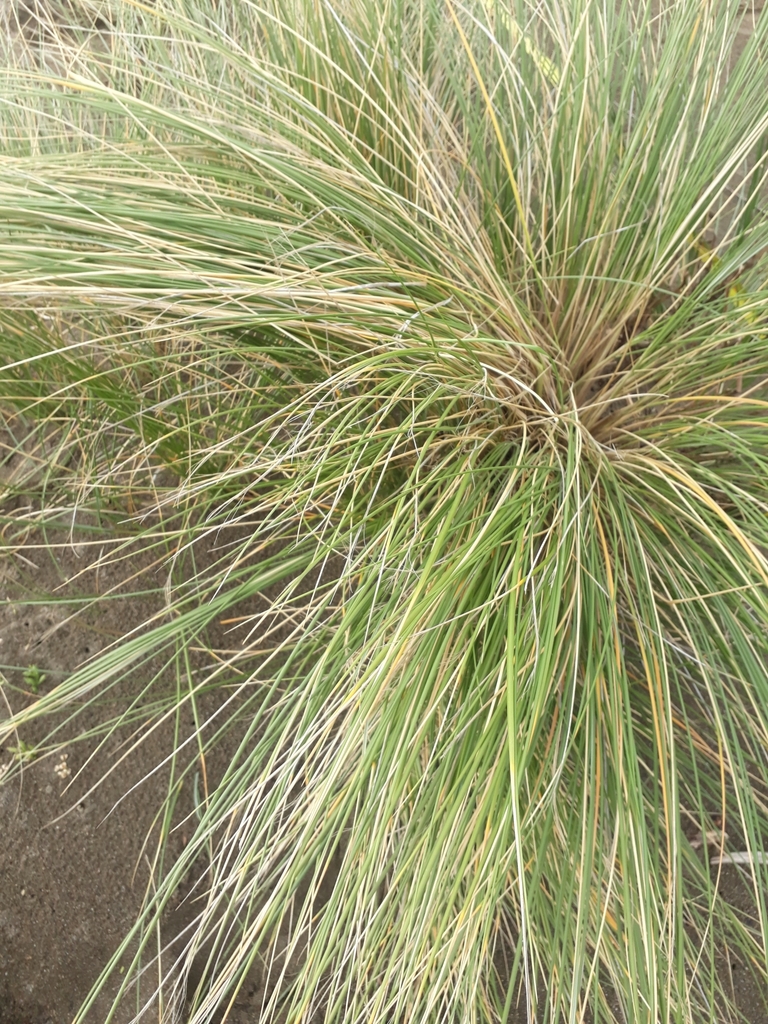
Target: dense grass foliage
pixel 446 318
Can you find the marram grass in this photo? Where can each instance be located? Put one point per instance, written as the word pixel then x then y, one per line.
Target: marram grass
pixel 452 315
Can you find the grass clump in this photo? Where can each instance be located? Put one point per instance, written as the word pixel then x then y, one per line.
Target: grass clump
pixel 447 319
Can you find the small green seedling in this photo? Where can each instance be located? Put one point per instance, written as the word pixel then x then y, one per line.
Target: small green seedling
pixel 33 678
pixel 23 752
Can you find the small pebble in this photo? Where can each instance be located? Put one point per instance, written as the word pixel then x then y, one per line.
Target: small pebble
pixel 62 769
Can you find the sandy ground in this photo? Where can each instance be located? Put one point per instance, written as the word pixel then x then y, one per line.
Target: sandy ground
pixel 73 868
